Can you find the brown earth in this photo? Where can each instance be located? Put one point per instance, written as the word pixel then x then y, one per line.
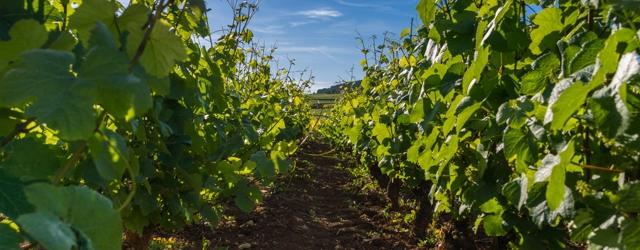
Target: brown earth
pixel 316 206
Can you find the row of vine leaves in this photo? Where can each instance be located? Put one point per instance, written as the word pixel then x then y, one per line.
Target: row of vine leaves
pixel 132 119
pixel 520 116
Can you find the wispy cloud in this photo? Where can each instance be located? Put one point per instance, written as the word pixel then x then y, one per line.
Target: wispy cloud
pixel 300 23
pixel 362 5
pixel 270 29
pixel 323 13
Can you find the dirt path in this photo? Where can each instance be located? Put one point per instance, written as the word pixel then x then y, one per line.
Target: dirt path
pixel 316 207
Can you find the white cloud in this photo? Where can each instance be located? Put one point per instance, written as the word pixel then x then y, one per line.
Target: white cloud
pixel 270 29
pixel 300 23
pixel 362 5
pixel 323 13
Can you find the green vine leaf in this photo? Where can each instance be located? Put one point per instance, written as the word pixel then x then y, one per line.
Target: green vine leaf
pixel 78 207
pixel 106 68
pixel 43 77
pixel 619 42
pixel 631 234
pixel 543 69
pixel 49 231
pixel 247 196
pixel 90 12
pixel 30 159
pixel 549 26
pixel 9 238
pixel 586 56
pixel 630 199
pixel 25 35
pixel 493 225
pixel 264 165
pixel 567 103
pixel 162 51
pixel 520 147
pixel 13 201
pixel 427 11
pixel 109 153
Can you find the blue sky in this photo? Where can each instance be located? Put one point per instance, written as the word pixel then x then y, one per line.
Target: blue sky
pixel 321 34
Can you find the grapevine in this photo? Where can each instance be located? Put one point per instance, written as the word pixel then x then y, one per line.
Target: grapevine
pixel 517 119
pixel 123 119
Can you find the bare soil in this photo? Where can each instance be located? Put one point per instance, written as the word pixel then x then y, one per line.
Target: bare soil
pixel 314 207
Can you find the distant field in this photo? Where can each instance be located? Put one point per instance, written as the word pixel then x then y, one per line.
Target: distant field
pixel 322 101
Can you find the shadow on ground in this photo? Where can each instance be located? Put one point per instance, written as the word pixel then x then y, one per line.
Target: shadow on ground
pixel 315 207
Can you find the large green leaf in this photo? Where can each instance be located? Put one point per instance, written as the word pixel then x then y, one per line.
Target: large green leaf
pixel 539 210
pixel 44 78
pixel 78 207
pixel 533 82
pixel 493 225
pixel 630 199
pixel 605 237
pixel 121 93
pixel 89 14
pixel 543 68
pixel 217 87
pixel 587 55
pixel 25 35
pixel 381 132
pixel 514 112
pixel 264 165
pixel 556 188
pixel 109 153
pixel 247 196
pixel 618 43
pixel 631 234
pixel 48 230
pixel 13 201
pixel 609 109
pixel 30 159
pixel 427 11
pixel 473 75
pixel 9 238
pixel 520 146
pixel 492 206
pixel 465 109
pixel 608 106
pixel 566 103
pixel 549 25
pixel 516 191
pixel 162 51
pixel 553 171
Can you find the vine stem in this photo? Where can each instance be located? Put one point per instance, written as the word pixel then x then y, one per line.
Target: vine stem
pixel 65 13
pixel 20 128
pixel 593 167
pixel 309 135
pixel 75 157
pixel 151 23
pixel 134 189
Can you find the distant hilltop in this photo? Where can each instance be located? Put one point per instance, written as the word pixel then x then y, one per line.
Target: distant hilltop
pixel 337 89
